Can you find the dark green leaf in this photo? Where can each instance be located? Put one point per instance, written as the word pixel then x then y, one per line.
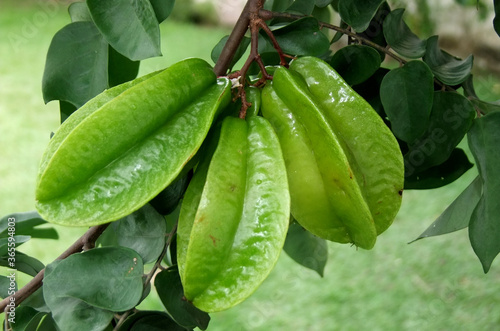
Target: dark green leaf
pixel 131 27
pixel 143 231
pixel 36 301
pixel 301 37
pixel 440 175
pixel 304 7
pixel 306 249
pixel 447 68
pixel 150 321
pixel 375 30
pixel 48 324
pixel 120 68
pixel 356 63
pixel 401 38
pixel 24 263
pixel 407 95
pixel 83 290
pixel 339 34
pixel 66 109
pixel 278 5
pixel 5 247
pixel 5 286
pixel 162 8
pixel 25 224
pixel 496 20
pixel 79 12
pixel 76 69
pixel 168 199
pixel 484 226
pixel 322 3
pixel 370 90
pixel 26 319
pixel 451 117
pixel 358 14
pixel 169 288
pixel 216 51
pixel 457 215
pixel 481 106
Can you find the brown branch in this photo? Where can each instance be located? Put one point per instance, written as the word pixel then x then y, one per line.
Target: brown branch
pixel 85 242
pixel 234 41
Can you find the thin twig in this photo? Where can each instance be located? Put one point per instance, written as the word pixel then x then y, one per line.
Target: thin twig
pixel 85 242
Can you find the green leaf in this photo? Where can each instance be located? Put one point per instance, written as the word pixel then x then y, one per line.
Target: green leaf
pixel 440 175
pixel 65 110
pixel 120 68
pixel 48 324
pixel 301 37
pixel 83 290
pixel 25 224
pixel 27 318
pixel 162 8
pixel 5 287
pixel 130 27
pixel 306 249
pixel 356 63
pixel 447 68
pixel 375 30
pixel 168 199
pixel 370 90
pixel 358 14
pixel 36 301
pixel 278 5
pixel 401 38
pixel 406 94
pixel 484 226
pixel 76 69
pixel 481 106
pixel 457 215
pixel 496 20
pixel 24 263
pixel 143 231
pixel 322 3
pixel 304 7
pixel 150 321
pixel 242 47
pixel 170 290
pixel 451 117
pixel 79 12
pixel 4 244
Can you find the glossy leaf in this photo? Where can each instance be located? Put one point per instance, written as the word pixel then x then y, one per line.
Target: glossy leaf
pixel 451 117
pixel 162 8
pixel 356 63
pixel 144 231
pixel 304 7
pixel 440 175
pixel 120 68
pixel 76 69
pixel 401 38
pixel 26 223
pixel 358 14
pixel 24 263
pixel 83 290
pixel 130 27
pixel 79 12
pixel 150 321
pixel 170 290
pixel 306 249
pixel 457 215
pixel 496 20
pixel 242 47
pixel 447 68
pixel 407 94
pixel 484 227
pixel 301 37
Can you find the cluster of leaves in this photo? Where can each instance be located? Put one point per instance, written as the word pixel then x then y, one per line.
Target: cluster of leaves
pixel 428 101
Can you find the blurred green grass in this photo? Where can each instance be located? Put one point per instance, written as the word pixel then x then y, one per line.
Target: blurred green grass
pixel 433 284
